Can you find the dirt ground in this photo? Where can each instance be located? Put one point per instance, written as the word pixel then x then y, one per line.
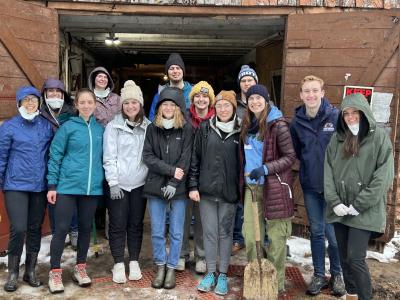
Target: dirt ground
pixel 386 279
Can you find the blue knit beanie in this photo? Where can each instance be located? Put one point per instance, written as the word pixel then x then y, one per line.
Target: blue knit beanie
pixel 247 71
pixel 258 89
pixel 24 91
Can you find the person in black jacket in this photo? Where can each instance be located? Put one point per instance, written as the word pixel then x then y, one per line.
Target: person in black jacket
pixel 213 181
pixel 167 150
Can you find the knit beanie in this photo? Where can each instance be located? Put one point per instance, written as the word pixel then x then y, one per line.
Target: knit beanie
pixel 205 88
pixel 258 89
pixel 24 91
pixel 174 59
pixel 228 96
pixel 247 71
pixel 131 91
pixel 173 94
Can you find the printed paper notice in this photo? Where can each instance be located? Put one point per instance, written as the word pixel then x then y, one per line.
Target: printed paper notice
pixel 380 106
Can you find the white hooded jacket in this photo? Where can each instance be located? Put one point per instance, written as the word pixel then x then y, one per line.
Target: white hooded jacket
pixel 122 154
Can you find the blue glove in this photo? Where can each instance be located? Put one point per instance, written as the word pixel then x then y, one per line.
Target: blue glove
pixel 256 173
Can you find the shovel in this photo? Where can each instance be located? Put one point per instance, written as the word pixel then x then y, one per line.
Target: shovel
pixel 260 276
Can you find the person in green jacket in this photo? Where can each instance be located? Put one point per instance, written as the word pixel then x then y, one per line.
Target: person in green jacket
pixel 75 182
pixel 358 172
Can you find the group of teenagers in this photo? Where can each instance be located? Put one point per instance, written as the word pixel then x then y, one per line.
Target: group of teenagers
pixel 198 154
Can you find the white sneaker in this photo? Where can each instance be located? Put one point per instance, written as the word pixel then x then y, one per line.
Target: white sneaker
pixel 181 264
pixel 80 275
pixel 55 281
pixel 118 271
pixel 201 266
pixel 134 270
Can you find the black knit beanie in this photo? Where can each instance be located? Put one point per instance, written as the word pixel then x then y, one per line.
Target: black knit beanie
pixel 174 59
pixel 258 89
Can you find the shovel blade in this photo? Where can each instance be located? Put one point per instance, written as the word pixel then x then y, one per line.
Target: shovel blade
pixel 260 281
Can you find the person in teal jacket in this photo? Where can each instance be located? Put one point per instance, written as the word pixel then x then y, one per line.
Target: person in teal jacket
pixel 75 181
pixel 358 172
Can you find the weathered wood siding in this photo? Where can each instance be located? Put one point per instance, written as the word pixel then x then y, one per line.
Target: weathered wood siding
pixel 364 44
pixel 28 49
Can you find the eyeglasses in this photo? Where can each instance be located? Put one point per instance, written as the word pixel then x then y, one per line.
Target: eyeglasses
pixel 223 106
pixel 32 99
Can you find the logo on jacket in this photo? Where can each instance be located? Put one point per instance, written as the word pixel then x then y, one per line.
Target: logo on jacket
pixel 328 127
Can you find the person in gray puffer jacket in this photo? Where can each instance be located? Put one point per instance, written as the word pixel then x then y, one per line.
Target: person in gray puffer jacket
pixel 108 103
pixel 126 174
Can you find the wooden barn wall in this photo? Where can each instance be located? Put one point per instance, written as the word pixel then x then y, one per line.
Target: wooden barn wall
pixel 332 45
pixel 28 46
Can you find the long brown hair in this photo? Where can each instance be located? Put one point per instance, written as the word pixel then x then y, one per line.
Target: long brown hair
pixel 351 144
pixel 262 123
pixel 138 118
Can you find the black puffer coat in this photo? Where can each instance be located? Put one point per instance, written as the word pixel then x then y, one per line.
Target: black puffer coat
pixel 214 168
pixel 164 150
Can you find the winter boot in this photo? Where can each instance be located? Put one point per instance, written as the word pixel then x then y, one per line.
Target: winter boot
pixel 13 273
pixel 351 297
pixel 158 281
pixel 55 281
pixel 170 280
pixel 80 276
pixel 30 273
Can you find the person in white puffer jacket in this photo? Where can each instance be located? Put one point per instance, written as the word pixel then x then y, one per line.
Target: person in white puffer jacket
pixel 126 173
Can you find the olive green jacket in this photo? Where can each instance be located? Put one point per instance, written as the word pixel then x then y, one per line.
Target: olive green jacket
pixel 362 180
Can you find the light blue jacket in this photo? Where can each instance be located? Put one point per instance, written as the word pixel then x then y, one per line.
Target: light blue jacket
pixel 75 166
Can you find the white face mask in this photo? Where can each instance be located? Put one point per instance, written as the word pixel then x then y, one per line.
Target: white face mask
pixel 26 115
pixel 55 103
pixel 102 93
pixel 168 124
pixel 355 128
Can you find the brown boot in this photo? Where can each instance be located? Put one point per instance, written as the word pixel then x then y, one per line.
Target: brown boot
pixel 351 297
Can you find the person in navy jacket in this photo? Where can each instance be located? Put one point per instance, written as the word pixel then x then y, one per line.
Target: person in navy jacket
pixel 312 127
pixel 24 144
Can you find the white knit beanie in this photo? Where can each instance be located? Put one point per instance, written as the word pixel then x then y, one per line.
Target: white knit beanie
pixel 131 91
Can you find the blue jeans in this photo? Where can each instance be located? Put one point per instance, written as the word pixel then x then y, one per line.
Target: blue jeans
pixel 319 229
pixel 237 229
pixel 74 222
pixel 158 212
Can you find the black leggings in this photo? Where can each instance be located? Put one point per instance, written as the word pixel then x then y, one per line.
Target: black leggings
pixel 64 209
pixel 25 211
pixel 126 223
pixel 353 244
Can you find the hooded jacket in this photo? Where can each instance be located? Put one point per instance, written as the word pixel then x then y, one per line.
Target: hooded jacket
pixel 23 154
pixel 107 108
pixel 214 168
pixel 122 154
pixel 187 88
pixel 278 157
pixel 67 110
pixel 75 164
pixel 362 180
pixel 310 138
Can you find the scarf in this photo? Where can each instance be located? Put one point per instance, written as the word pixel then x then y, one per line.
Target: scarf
pixel 196 120
pixel 226 127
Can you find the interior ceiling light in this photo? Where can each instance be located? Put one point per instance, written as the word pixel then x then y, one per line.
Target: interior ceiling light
pixel 112 40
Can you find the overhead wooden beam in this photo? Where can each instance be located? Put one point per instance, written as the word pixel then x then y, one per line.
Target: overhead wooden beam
pixel 114 8
pixel 382 56
pixel 19 55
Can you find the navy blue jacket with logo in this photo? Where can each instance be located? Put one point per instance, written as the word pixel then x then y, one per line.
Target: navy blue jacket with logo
pixel 310 138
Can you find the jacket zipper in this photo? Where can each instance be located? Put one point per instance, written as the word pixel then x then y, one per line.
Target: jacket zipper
pixel 90 160
pixel 284 183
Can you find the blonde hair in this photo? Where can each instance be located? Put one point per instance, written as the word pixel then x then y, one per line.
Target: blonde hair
pixel 178 118
pixel 311 78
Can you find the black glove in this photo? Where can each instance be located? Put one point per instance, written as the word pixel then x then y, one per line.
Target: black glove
pixel 257 173
pixel 169 191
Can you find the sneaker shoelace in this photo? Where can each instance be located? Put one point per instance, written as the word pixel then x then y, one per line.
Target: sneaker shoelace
pixel 56 278
pixel 82 271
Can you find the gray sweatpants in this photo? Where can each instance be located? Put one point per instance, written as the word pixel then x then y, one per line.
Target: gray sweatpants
pixel 218 219
pixel 192 208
